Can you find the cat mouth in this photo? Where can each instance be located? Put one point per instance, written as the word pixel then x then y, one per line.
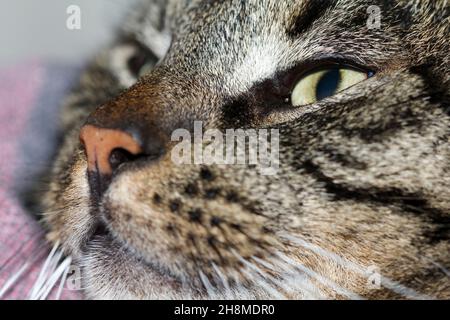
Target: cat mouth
pixel 100 230
pixel 106 252
pixel 108 256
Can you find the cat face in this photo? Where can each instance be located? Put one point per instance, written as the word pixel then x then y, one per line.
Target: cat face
pixel 361 189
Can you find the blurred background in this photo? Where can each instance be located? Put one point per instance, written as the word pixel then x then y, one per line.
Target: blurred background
pixel 40 61
pixel 36 29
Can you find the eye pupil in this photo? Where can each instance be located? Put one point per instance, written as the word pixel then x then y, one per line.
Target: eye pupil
pixel 328 84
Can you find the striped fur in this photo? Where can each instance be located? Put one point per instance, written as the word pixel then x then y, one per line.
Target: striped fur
pixel 364 177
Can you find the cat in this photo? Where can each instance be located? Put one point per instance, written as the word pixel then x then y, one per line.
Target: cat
pixel 360 204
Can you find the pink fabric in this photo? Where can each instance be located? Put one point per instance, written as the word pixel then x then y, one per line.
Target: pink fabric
pixel 21 238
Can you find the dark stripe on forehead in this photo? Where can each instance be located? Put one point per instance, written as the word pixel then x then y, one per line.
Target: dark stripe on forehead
pixel 311 11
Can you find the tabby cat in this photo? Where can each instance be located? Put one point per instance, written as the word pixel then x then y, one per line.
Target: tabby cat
pixel 360 204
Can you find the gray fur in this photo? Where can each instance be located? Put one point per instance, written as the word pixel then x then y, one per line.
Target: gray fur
pixel 364 175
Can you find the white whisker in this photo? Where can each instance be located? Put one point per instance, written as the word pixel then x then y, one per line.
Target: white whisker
pixel 438 265
pixel 41 278
pixel 207 284
pixel 222 279
pixel 11 281
pixel 56 275
pixel 325 281
pixel 62 283
pixel 257 279
pixel 260 275
pixel 385 281
pixel 16 255
pixel 15 276
pixel 239 290
pixel 292 282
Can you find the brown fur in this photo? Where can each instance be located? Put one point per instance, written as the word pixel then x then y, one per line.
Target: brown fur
pixel 364 175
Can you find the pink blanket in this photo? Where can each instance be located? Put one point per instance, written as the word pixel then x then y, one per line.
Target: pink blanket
pixel 29 97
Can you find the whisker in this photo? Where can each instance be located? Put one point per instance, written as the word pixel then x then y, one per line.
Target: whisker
pixel 27 242
pixel 11 281
pixel 51 269
pixel 438 265
pixel 385 281
pixel 293 275
pixel 41 278
pixel 62 283
pixel 207 284
pixel 261 275
pixel 263 283
pixel 325 281
pixel 56 275
pixel 291 281
pixel 222 279
pixel 17 275
pixel 239 291
pixel 18 256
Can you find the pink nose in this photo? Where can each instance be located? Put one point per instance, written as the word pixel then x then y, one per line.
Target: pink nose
pixel 100 144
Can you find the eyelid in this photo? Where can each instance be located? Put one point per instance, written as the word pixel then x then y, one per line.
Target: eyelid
pixel 309 72
pixel 297 73
pixel 271 98
pixel 325 82
pixel 132 41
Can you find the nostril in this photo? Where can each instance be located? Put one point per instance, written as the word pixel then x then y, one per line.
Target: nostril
pixel 120 156
pixel 107 148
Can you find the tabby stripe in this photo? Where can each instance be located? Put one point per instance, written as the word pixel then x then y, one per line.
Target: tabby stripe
pixel 409 202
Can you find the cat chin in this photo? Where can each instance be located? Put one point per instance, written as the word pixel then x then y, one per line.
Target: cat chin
pixel 111 272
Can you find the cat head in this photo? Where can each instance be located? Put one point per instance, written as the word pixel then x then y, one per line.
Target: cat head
pixel 352 102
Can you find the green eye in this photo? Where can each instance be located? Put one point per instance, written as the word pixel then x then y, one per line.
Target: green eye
pixel 325 83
